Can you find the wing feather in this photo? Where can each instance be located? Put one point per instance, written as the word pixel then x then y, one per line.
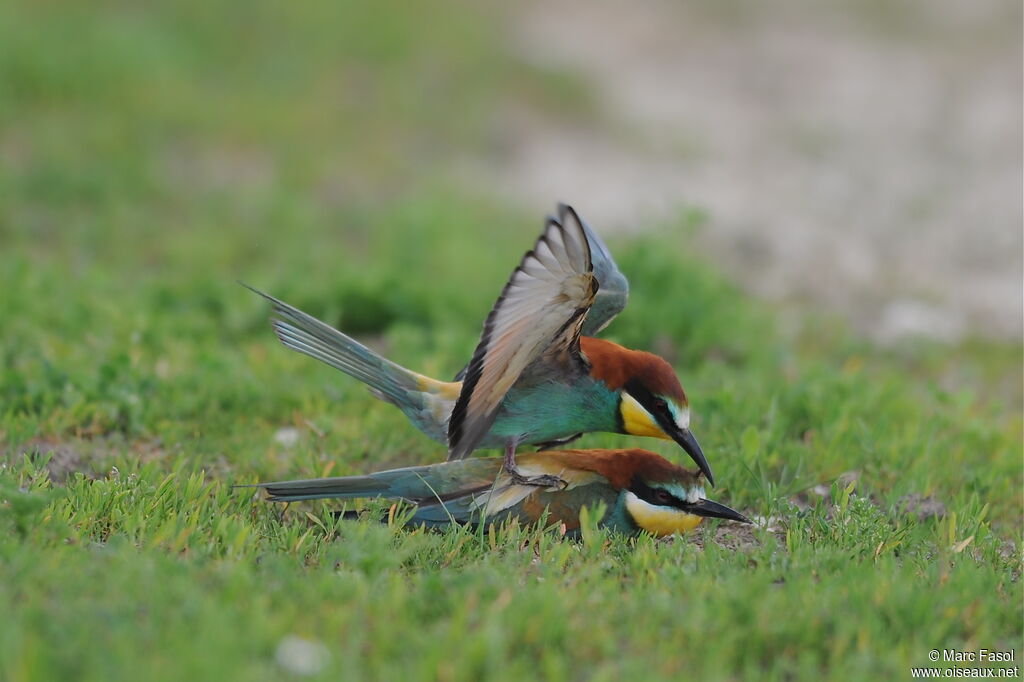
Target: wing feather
pixel 612 295
pixel 539 314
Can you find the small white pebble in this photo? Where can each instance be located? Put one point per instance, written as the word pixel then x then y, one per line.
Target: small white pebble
pixel 301 656
pixel 822 490
pixel 769 523
pixel 288 436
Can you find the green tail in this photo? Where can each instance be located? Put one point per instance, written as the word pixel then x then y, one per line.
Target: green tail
pixel 306 334
pixel 444 482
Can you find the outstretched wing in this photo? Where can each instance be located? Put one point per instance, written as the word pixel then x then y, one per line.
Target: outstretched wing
pixel 612 293
pixel 539 314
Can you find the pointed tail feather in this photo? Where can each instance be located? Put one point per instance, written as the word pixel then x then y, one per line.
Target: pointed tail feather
pixel 422 485
pixel 306 334
pixel 345 487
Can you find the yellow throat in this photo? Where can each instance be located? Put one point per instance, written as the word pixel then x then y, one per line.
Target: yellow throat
pixel 660 521
pixel 636 421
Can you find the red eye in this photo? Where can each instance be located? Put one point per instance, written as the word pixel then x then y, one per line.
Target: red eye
pixel 662 497
pixel 660 405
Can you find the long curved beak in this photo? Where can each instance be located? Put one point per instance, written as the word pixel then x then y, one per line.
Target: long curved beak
pixel 692 447
pixel 718 511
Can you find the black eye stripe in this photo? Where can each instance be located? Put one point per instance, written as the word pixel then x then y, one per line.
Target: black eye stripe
pixel 656 496
pixel 652 403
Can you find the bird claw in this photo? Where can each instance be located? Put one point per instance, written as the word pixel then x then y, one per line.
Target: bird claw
pixel 545 481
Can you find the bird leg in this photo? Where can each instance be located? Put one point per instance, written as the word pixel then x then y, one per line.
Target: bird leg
pixel 545 481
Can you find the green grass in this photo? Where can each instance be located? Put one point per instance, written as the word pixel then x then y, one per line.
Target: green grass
pixel 151 157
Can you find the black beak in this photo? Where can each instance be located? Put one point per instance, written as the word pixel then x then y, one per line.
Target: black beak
pixel 715 510
pixel 689 443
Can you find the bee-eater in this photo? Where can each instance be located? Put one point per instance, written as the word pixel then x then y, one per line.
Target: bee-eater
pixel 641 491
pixel 533 378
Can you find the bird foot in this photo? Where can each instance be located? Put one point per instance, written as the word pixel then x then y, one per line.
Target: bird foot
pixel 545 481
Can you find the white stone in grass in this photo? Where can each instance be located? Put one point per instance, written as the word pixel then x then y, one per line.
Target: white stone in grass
pixel 301 656
pixel 287 437
pixel 772 524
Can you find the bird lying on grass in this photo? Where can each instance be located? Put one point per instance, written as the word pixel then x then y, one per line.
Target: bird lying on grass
pixel 640 491
pixel 534 377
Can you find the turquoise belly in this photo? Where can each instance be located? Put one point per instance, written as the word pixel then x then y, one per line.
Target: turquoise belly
pixel 551 411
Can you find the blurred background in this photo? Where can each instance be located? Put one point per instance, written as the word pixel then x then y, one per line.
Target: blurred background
pixel 818 206
pixel 862 158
